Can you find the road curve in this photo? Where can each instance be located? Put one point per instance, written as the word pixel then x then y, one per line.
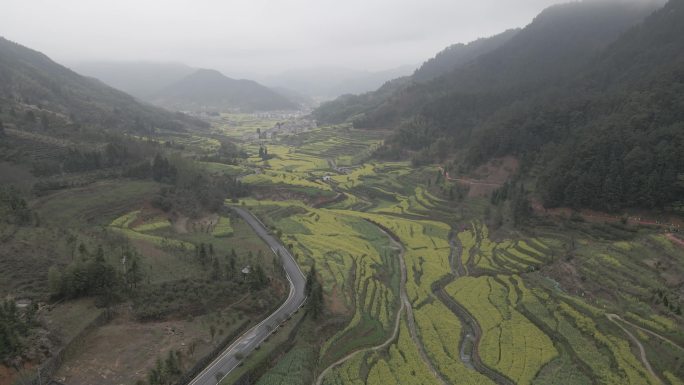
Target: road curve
pixel 245 344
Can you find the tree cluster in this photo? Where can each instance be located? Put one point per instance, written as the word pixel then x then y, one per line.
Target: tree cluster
pixel 228 153
pixel 91 275
pixel 195 191
pixel 167 371
pixel 516 196
pixel 13 207
pixel 14 327
pixel 162 170
pixel 263 153
pixel 314 293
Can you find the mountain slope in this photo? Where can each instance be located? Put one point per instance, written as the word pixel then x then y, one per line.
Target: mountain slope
pixel 549 51
pixel 460 54
pixel 355 107
pixel 31 84
pixel 590 96
pixel 209 89
pixel 610 136
pixel 607 135
pixel 631 142
pixel 140 79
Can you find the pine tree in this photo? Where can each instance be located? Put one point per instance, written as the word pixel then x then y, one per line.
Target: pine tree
pixel 316 300
pixel 171 364
pixel 134 272
pixel 310 279
pixel 202 255
pixel 259 278
pixel 215 269
pixel 99 256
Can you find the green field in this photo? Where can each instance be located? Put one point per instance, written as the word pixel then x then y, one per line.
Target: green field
pixel 537 323
pixel 485 301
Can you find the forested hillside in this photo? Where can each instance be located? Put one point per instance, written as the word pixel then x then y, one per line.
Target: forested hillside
pixel 460 54
pixel 382 101
pixel 36 92
pixel 613 137
pixel 574 92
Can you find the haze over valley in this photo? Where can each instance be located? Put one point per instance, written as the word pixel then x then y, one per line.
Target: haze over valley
pixel 329 193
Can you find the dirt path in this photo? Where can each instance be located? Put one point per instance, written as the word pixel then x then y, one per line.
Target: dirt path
pixel 668 223
pixel 674 239
pixel 654 334
pixel 395 332
pixel 404 304
pixel 642 351
pixel 411 321
pixel 470 181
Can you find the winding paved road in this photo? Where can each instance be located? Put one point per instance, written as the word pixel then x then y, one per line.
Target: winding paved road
pixel 245 344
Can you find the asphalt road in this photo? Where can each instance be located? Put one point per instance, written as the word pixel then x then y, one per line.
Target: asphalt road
pixel 245 344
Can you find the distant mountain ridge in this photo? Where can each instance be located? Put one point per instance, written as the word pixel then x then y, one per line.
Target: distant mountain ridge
pixel 460 54
pixel 210 89
pixel 140 79
pixel 355 107
pixel 30 82
pixel 328 82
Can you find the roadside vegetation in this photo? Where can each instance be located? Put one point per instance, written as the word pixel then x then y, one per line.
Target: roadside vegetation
pixel 415 275
pixel 133 227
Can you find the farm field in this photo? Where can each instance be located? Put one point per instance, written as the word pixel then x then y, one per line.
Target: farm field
pixel 348 194
pixel 485 304
pixel 422 281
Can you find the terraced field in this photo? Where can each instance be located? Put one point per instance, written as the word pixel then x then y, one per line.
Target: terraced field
pixel 481 306
pixel 510 343
pixel 343 144
pixel 123 225
pixel 243 126
pixel 356 266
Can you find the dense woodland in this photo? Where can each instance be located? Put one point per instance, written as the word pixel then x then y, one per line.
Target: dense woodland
pixel 588 96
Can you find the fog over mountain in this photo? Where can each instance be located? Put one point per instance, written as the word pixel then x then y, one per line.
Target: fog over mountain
pixel 246 38
pixel 329 82
pixel 377 192
pixel 140 79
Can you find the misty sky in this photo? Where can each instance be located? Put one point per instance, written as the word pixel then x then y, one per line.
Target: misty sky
pixel 258 36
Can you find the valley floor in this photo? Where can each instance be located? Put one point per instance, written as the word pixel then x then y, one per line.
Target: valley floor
pixel 485 301
pixel 426 278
